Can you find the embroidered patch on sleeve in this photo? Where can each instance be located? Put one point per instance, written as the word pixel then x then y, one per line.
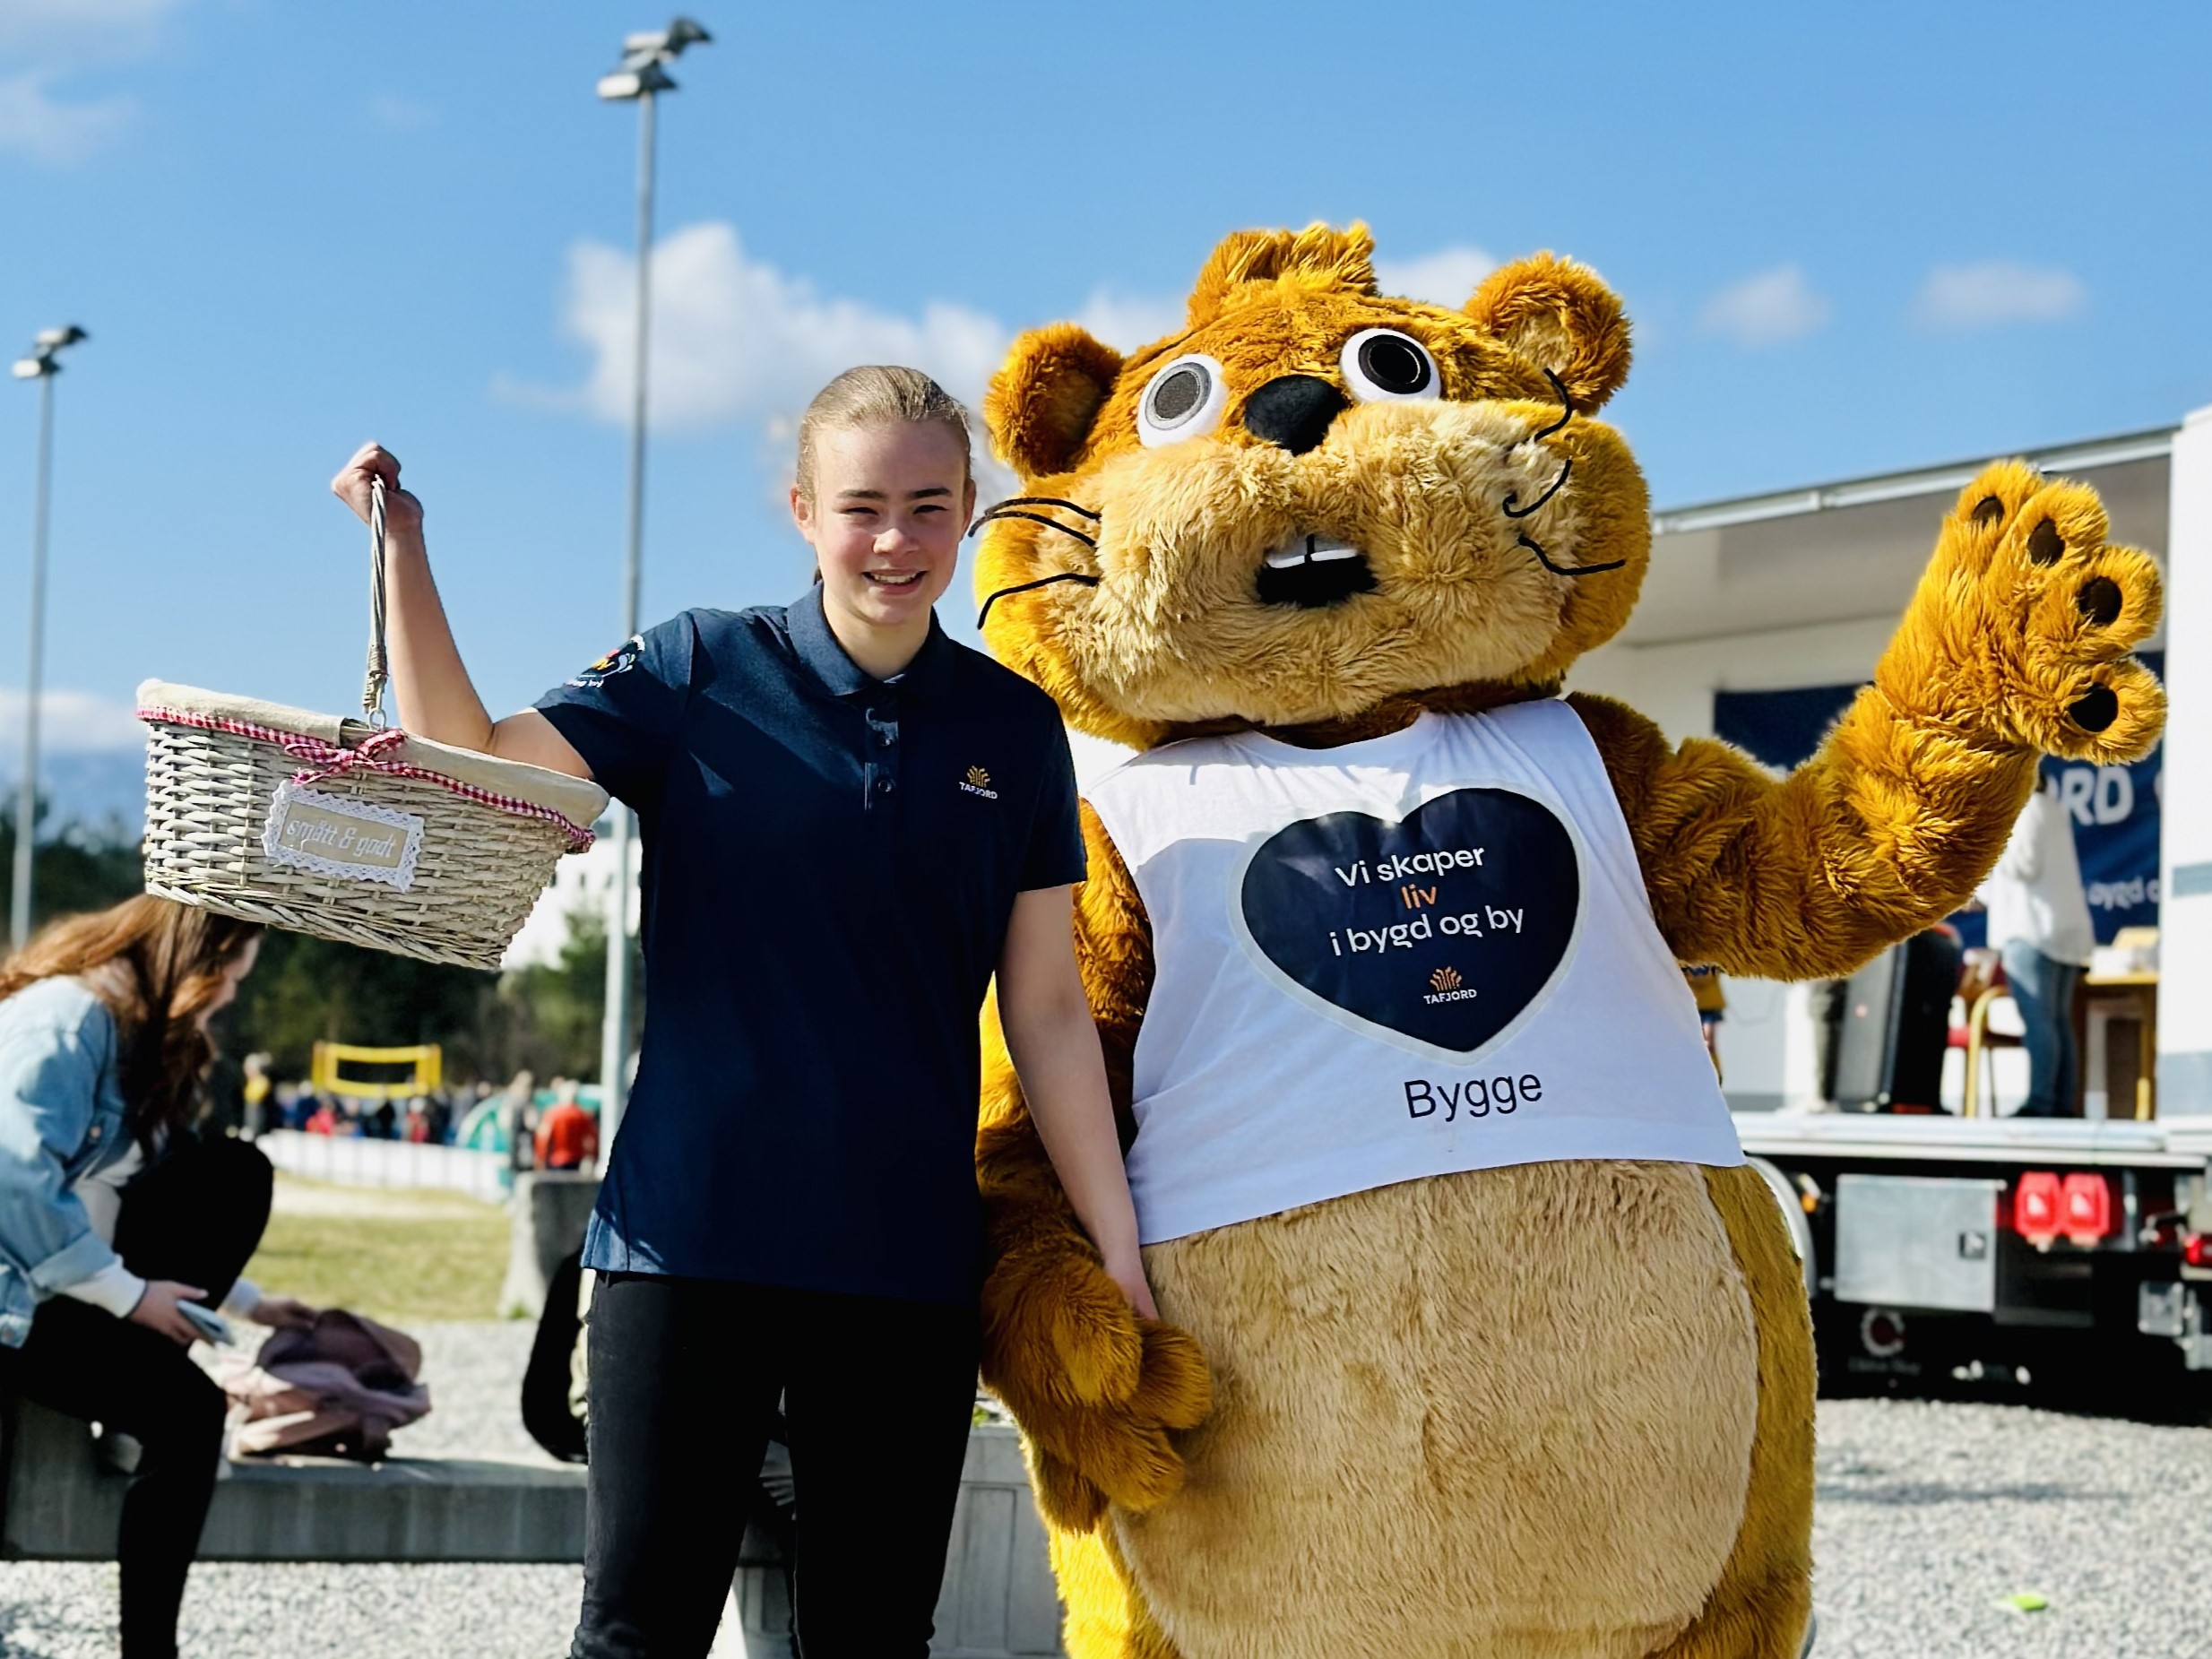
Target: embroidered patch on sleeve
pixel 621 657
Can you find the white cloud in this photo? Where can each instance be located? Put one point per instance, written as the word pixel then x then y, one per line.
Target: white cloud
pixel 1447 277
pixel 42 43
pixel 736 339
pixel 35 123
pixel 1997 292
pixel 1768 309
pixel 401 115
pixel 71 722
pixel 82 30
pixel 1127 321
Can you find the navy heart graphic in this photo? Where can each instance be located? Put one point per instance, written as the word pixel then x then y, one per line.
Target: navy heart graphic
pixel 1443 927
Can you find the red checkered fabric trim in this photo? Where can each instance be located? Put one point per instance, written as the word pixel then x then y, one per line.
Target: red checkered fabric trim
pixel 325 760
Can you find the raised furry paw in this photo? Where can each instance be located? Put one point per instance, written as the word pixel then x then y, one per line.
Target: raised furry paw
pixel 1097 1390
pixel 2024 624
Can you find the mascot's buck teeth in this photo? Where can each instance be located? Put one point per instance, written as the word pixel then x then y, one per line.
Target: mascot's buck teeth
pixel 1530 1375
pixel 1311 550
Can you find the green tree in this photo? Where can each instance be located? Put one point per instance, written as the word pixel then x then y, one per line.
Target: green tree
pixel 554 1012
pixel 304 991
pixel 80 867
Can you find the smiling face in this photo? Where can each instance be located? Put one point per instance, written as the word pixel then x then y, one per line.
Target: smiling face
pixel 888 504
pixel 1316 499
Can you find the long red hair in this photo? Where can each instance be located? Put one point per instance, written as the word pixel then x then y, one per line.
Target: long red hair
pixel 158 965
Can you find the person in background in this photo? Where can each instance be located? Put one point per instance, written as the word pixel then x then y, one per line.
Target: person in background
pixel 255 1093
pixel 519 1117
pixel 567 1135
pixel 2039 924
pixel 117 1225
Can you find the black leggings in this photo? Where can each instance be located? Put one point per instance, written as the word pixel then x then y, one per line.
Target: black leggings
pixel 197 1216
pixel 684 1377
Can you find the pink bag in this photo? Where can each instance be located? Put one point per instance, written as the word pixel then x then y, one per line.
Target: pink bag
pixel 338 1388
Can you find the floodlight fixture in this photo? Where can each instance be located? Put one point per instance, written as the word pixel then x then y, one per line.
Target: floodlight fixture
pixel 681 32
pixel 625 84
pixel 45 346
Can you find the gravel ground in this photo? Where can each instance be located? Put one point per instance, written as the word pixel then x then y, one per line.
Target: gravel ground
pixel 1930 1515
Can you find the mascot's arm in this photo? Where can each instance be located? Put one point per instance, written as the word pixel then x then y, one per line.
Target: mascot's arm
pixel 1094 1388
pixel 2016 642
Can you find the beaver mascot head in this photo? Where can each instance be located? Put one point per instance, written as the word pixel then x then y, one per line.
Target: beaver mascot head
pixel 1482 1335
pixel 1315 502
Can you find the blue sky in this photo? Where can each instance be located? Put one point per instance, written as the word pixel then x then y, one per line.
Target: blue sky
pixel 1885 237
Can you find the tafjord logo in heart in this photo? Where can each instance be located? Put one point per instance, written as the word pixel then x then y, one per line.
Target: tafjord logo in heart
pixel 1441 927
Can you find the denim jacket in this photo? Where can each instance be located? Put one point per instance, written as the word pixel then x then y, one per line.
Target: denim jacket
pixel 61 1118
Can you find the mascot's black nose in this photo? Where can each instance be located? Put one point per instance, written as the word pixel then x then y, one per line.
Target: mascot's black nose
pixel 1293 411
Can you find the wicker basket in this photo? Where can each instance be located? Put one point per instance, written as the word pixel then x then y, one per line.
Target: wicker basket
pixel 349 831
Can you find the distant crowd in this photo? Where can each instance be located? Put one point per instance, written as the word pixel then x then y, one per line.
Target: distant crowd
pixel 556 1128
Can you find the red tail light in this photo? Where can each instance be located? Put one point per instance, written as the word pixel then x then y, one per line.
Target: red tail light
pixel 2086 1204
pixel 2037 1208
pixel 2195 1250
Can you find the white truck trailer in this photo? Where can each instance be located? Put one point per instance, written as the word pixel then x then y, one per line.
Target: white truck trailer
pixel 1938 1243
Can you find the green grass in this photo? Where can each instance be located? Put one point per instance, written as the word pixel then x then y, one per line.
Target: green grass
pixel 394 1255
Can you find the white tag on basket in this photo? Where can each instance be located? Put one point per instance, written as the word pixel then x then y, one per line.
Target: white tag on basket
pixel 331 835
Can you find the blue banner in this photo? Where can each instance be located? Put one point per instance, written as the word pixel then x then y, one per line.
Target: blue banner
pixel 2114 809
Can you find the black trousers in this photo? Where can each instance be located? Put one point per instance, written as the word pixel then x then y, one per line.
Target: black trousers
pixel 685 1377
pixel 197 1216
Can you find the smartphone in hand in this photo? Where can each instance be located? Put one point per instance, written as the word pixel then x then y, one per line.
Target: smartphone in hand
pixel 210 1323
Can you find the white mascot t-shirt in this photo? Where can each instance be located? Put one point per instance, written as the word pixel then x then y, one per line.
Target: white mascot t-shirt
pixel 1429 952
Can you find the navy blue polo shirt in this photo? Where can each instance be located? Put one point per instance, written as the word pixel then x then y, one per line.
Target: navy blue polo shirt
pixel 830 864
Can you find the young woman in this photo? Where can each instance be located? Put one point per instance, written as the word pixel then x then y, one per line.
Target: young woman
pixel 114 1218
pixel 850 824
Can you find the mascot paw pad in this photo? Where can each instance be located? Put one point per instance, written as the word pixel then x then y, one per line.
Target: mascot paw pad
pixel 2076 605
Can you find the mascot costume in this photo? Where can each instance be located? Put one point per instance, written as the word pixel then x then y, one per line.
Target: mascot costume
pixel 1481 1337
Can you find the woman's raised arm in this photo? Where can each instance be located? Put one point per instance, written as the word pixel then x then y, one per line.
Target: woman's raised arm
pixel 436 696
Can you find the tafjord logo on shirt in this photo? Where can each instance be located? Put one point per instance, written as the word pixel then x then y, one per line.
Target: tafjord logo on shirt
pixel 1444 986
pixel 977 782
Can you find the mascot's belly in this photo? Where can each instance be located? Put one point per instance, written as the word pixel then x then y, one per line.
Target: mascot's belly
pixel 1503 1412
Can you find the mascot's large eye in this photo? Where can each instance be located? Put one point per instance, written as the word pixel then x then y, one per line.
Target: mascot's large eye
pixel 1380 364
pixel 1184 400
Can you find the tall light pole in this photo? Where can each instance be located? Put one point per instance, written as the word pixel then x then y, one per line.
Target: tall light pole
pixel 639 78
pixel 42 365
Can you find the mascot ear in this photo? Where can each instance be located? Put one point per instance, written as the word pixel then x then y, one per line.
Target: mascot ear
pixel 1043 398
pixel 1559 316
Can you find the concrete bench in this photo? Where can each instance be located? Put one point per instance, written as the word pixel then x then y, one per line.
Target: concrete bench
pixel 62 1503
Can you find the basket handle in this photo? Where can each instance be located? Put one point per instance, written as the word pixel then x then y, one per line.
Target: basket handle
pixel 379 667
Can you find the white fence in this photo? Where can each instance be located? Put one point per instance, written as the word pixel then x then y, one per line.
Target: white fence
pixel 350 1163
